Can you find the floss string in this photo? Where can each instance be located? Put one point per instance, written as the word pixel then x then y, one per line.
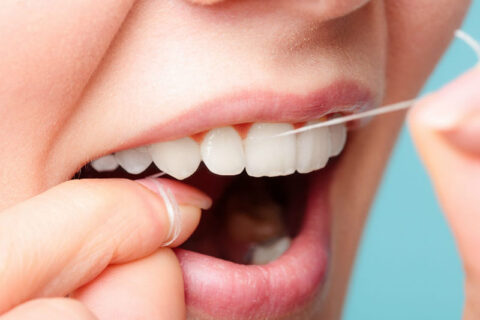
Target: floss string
pixel 173 211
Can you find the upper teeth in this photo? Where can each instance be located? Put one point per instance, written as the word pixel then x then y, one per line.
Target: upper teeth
pixel 268 155
pixel 338 137
pixel 134 161
pixel 222 150
pixel 179 158
pixel 106 163
pixel 314 147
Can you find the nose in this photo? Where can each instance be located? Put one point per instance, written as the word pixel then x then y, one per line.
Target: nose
pixel 323 9
pixel 205 2
pixel 330 9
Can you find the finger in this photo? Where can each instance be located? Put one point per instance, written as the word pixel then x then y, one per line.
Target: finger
pixel 446 129
pixel 63 238
pixel 150 288
pixel 51 309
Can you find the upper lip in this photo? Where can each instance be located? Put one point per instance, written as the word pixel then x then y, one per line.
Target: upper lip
pixel 257 106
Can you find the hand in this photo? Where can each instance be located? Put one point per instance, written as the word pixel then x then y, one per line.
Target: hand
pixel 98 242
pixel 446 130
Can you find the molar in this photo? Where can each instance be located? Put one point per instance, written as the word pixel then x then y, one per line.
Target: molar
pixel 267 155
pixel 222 151
pixel 179 158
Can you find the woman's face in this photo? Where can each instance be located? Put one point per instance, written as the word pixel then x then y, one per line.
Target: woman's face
pixel 84 78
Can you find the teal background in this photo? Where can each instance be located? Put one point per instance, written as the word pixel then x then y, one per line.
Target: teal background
pixel 407 265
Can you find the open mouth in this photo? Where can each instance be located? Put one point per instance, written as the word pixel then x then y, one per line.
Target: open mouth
pixel 262 249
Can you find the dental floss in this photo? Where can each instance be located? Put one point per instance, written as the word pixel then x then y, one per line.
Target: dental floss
pixel 172 210
pixel 470 41
pixel 460 34
pixel 370 113
pixel 157 175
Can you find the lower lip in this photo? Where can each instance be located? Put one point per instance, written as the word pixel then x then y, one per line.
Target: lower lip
pixel 224 289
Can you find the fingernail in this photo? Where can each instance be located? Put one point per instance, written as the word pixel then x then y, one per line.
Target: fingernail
pixel 190 198
pixel 183 193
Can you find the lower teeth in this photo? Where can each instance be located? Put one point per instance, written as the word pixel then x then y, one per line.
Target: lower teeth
pixel 269 251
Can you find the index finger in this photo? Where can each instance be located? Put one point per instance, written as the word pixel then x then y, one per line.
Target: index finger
pixel 63 238
pixel 446 130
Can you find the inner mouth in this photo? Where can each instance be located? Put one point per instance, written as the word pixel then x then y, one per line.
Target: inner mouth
pixel 252 220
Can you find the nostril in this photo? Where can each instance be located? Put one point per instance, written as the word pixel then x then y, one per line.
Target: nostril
pixel 205 2
pixel 328 9
pixel 343 7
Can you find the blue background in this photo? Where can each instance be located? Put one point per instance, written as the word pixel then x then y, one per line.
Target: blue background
pixel 407 265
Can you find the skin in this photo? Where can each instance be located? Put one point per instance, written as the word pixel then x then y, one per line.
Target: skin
pixel 448 137
pixel 84 76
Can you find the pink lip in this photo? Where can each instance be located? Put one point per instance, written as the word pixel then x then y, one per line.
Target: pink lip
pixel 256 106
pixel 224 289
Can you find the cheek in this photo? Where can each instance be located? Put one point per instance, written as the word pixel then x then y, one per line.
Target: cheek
pixel 48 52
pixel 413 49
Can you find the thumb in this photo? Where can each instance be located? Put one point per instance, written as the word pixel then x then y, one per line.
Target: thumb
pixel 148 288
pixel 446 130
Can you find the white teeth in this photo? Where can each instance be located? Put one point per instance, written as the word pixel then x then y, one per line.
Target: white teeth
pixel 267 155
pixel 313 149
pixel 263 153
pixel 222 151
pixel 338 136
pixel 179 158
pixel 105 164
pixel 265 253
pixel 134 161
